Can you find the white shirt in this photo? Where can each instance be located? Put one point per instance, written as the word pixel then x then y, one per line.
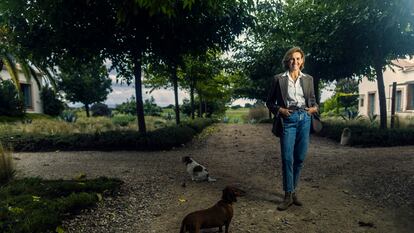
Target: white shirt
pixel 295 91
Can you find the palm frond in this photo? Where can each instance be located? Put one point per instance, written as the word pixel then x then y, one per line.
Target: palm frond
pixel 50 77
pixel 12 70
pixel 26 70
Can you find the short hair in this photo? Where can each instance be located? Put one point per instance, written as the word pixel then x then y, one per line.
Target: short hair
pixel 288 56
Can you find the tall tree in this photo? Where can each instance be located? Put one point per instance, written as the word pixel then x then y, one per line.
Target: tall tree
pixel 258 55
pixel 198 69
pixel 384 30
pixel 87 83
pixel 52 31
pixel 194 31
pixel 341 38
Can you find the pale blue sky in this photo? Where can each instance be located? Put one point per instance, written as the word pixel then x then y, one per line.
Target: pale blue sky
pixel 121 92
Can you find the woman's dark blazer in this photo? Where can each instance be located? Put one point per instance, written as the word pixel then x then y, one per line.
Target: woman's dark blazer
pixel 278 97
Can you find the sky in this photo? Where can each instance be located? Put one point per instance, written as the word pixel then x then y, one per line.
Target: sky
pixel 163 97
pixel 121 92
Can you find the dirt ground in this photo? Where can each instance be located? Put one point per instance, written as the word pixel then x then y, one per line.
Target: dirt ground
pixel 344 189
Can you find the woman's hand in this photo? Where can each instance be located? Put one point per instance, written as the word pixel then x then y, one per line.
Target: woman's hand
pixel 284 112
pixel 311 110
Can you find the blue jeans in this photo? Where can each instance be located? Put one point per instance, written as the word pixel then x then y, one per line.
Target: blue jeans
pixel 294 146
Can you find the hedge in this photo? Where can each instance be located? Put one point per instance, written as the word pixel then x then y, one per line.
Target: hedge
pixel 160 139
pixel 364 135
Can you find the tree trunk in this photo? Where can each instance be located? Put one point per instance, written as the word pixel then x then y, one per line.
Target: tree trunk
pixel 381 94
pixel 200 109
pixel 138 93
pixel 192 97
pixel 205 107
pixel 175 83
pixel 87 110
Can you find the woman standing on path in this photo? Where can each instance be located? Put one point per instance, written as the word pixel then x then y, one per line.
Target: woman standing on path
pixel 292 100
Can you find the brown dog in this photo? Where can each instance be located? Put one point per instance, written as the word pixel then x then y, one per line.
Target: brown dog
pixel 217 216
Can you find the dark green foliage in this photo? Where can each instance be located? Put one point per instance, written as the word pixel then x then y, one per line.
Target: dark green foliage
pixel 52 105
pixel 68 116
pixel 128 107
pixel 247 105
pixel 208 107
pixel 123 120
pixel 236 106
pixel 159 139
pixel 365 135
pixel 10 104
pixel 151 108
pixel 198 124
pixel 85 82
pixel 36 205
pixel 169 137
pixel 100 109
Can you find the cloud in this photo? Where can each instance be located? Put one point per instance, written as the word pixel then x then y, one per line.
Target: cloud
pixel 121 92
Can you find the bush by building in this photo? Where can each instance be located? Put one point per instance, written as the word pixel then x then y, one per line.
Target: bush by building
pixel 10 103
pixel 52 105
pixel 366 134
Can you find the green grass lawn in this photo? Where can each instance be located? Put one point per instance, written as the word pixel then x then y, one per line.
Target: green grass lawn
pixel 35 205
pixel 237 115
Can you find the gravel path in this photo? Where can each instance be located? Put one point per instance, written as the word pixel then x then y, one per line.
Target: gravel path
pixel 344 189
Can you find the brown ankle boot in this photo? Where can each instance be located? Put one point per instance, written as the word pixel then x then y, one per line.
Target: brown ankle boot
pixel 296 200
pixel 288 201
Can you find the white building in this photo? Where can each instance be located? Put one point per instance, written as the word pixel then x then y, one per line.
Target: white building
pixel 403 75
pixel 31 91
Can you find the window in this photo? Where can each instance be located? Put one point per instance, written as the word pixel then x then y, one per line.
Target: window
pixel 398 101
pixel 27 95
pixel 371 104
pixel 410 97
pixel 361 100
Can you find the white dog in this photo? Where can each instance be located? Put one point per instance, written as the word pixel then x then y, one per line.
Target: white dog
pixel 197 171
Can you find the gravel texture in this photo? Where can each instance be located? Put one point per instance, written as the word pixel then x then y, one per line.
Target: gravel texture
pixel 344 189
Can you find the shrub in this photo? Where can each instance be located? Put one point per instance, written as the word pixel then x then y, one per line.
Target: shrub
pixel 35 205
pixel 52 105
pixel 123 120
pixel 159 139
pixel 6 165
pixel 10 104
pixel 100 109
pixel 169 137
pixel 129 107
pixel 68 116
pixel 365 134
pixel 258 113
pixel 151 108
pixel 226 119
pixel 198 124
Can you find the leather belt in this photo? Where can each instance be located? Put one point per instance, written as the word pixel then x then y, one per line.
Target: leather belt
pixel 296 108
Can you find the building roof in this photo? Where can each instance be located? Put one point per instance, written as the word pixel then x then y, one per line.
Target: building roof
pixel 406 65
